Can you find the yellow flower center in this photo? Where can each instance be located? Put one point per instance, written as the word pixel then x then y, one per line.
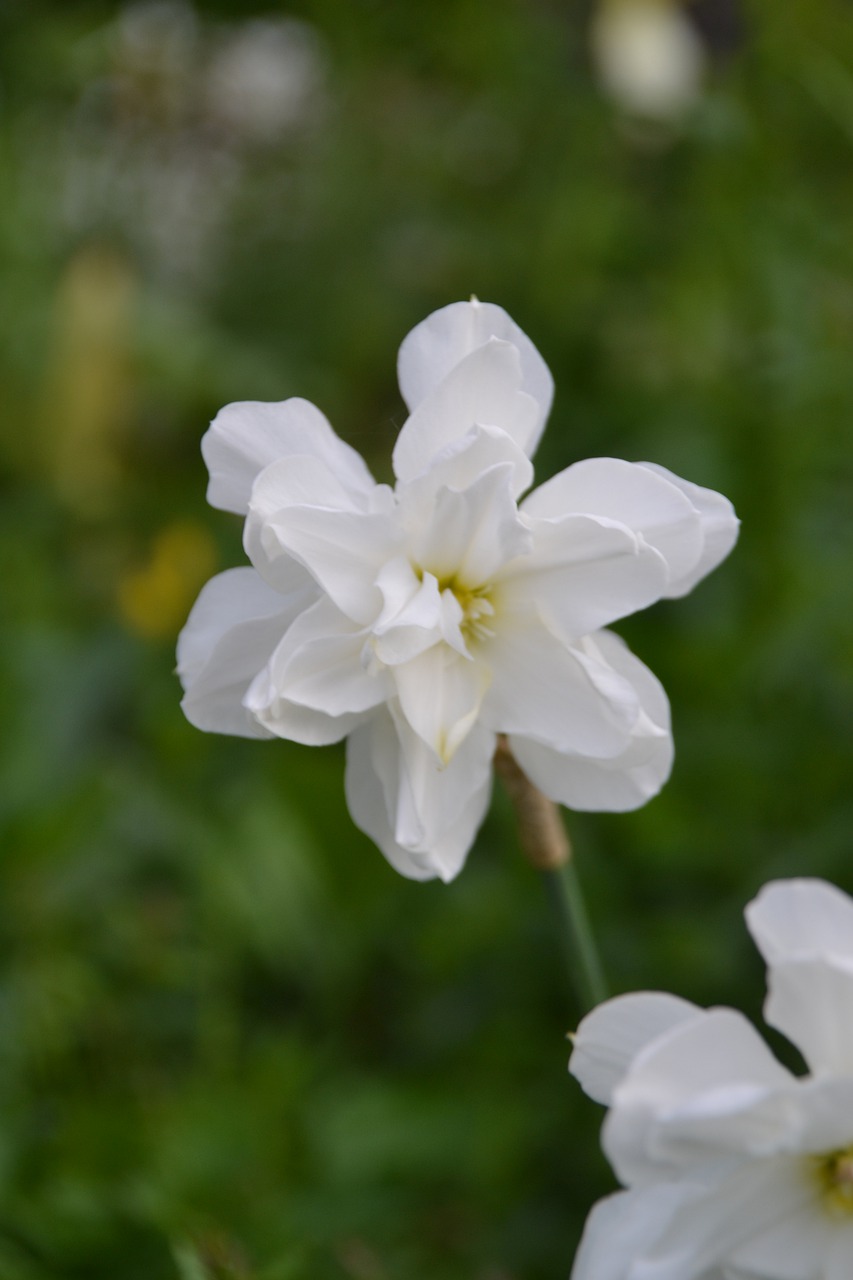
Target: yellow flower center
pixel 835 1177
pixel 476 606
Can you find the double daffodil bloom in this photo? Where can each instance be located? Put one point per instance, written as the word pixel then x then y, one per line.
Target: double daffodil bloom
pixel 421 621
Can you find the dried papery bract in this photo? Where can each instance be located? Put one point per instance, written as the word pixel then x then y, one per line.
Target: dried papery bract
pixel 541 832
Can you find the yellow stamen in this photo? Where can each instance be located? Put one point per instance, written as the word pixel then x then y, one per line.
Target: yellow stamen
pixel 835 1176
pixel 476 607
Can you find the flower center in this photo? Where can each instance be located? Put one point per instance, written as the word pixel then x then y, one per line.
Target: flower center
pixel 476 607
pixel 835 1176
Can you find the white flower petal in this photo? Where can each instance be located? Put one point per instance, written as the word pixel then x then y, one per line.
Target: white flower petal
pixel 801 919
pixel 299 510
pixel 582 573
pixel 444 339
pixel 614 784
pixel 423 817
pixel 553 693
pixel 708 1231
pixel 625 780
pixel 720 527
pixel 607 647
pixel 472 534
pixel 458 466
pixel 440 694
pixel 412 612
pixel 838 1250
pixel 373 764
pixel 609 1038
pixel 632 495
pixel 440 807
pixel 314 689
pixel 791 1248
pixel 294 720
pixel 706 1087
pixel 319 664
pixel 301 481
pixel 247 436
pixel 232 629
pixel 483 389
pixel 297 723
pixel 717 1049
pixel 811 1002
pixel 400 587
pixel 342 549
pixel 622 1227
pixel 824 1106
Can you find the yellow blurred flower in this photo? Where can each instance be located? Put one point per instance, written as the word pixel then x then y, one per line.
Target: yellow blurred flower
pixel 155 597
pixel 89 381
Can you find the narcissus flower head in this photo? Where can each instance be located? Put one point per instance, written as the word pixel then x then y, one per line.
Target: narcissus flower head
pixel 735 1169
pixel 421 621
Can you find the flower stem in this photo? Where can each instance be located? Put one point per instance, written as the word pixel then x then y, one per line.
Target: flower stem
pixel 546 845
pixel 582 951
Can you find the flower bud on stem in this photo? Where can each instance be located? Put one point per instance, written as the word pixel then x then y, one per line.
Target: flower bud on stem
pixel 546 845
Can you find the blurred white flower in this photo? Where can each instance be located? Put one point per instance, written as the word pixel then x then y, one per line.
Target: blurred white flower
pixel 266 77
pixel 155 48
pixel 649 57
pixel 183 117
pixel 735 1168
pixel 421 621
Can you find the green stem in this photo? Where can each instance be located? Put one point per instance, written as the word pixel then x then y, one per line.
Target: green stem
pixel 545 843
pixel 582 958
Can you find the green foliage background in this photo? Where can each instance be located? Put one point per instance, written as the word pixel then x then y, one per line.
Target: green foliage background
pixel 233 1043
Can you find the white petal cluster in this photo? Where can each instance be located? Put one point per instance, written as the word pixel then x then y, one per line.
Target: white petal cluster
pixel 735 1169
pixel 421 621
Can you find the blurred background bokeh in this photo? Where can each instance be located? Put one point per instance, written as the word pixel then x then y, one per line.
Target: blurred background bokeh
pixel 234 1044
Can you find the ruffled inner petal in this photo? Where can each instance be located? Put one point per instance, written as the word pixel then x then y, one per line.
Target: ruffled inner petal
pixel 411 617
pixel 472 534
pixel 315 683
pixel 299 510
pixel 458 466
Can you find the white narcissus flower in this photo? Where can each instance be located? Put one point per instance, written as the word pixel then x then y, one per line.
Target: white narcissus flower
pixel 649 56
pixel 735 1168
pixel 421 621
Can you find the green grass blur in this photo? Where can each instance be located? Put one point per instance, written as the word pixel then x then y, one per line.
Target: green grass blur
pixel 234 1045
